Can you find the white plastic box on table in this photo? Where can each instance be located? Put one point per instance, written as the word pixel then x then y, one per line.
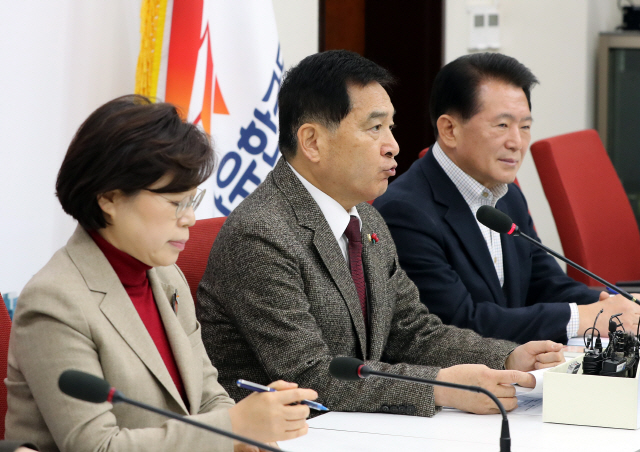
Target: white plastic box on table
pixel 591 400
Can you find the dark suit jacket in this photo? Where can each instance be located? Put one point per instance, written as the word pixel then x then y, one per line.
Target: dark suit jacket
pixel 278 302
pixel 443 251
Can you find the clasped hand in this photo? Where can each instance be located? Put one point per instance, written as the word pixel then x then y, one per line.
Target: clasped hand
pixel 530 356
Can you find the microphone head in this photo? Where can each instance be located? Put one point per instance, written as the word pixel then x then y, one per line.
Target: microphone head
pixel 346 368
pixel 495 219
pixel 613 326
pixel 84 386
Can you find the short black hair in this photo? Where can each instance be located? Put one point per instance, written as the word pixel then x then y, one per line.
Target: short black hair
pixel 455 88
pixel 128 144
pixel 316 91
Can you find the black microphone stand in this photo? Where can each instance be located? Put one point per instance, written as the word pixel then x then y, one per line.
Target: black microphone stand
pixel 90 388
pixel 500 222
pixel 625 294
pixel 505 439
pixel 117 396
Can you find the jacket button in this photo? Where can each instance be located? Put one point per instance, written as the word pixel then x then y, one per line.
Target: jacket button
pixel 411 409
pixel 384 409
pixel 393 409
pixel 402 409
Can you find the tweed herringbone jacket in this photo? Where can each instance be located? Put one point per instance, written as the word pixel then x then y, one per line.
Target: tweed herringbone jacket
pixel 277 301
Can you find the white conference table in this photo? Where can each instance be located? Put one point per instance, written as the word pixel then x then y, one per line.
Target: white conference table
pixel 453 431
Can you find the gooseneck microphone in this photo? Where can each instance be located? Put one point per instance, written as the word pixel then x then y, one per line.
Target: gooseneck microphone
pixel 87 387
pixel 500 222
pixel 353 369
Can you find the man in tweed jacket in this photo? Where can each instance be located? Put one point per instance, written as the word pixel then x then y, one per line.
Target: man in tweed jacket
pixel 278 300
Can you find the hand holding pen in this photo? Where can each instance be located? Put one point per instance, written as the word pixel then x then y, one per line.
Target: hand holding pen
pixel 273 416
pixel 255 387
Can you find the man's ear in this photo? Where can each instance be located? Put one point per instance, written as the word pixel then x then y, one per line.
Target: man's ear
pixel 447 128
pixel 107 202
pixel 308 136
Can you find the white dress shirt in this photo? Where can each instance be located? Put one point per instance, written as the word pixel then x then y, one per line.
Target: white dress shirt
pixel 476 195
pixel 337 217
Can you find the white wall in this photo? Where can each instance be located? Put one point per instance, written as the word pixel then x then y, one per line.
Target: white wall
pixel 557 40
pixel 297 22
pixel 59 60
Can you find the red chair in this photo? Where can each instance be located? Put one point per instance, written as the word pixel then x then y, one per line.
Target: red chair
pixel 193 259
pixel 5 330
pixel 596 225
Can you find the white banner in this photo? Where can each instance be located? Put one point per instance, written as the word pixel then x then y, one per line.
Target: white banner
pixel 220 61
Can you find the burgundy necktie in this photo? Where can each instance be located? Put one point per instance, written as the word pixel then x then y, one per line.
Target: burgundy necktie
pixel 355 260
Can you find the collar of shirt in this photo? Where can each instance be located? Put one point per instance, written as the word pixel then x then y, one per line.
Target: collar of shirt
pixel 473 192
pixel 131 272
pixel 333 212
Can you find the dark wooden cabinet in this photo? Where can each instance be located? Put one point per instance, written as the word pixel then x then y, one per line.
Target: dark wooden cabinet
pixel 406 38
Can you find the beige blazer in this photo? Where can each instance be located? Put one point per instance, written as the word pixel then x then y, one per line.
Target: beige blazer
pixel 75 314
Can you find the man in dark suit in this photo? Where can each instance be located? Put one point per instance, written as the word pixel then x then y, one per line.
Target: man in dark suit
pixel 469 276
pixel 304 270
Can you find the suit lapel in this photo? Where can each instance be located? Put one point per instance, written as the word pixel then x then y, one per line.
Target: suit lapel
pixel 512 286
pixel 378 307
pixel 125 319
pixel 117 306
pixel 333 259
pixel 190 368
pixel 310 216
pixel 463 223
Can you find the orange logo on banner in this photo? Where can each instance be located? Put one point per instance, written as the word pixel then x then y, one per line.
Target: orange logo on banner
pixel 184 47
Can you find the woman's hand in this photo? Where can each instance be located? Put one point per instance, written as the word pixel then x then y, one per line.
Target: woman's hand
pixel 242 447
pixel 270 416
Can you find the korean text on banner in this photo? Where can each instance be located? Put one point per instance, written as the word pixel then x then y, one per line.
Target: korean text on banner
pixel 219 61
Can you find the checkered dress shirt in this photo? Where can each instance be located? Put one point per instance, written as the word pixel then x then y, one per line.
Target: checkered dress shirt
pixel 476 195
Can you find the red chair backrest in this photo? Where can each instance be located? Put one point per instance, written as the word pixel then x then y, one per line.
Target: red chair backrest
pixel 5 331
pixel 193 259
pixel 596 225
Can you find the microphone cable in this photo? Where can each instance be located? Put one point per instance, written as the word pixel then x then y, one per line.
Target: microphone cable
pixel 593 358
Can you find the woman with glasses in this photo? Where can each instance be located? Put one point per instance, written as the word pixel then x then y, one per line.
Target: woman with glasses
pixel 107 303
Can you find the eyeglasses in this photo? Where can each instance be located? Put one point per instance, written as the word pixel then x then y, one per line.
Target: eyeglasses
pixel 185 203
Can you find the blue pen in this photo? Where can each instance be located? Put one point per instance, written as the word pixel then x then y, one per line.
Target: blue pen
pixel 611 291
pixel 255 387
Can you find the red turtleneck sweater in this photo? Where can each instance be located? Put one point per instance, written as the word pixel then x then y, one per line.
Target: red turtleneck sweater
pixel 133 276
